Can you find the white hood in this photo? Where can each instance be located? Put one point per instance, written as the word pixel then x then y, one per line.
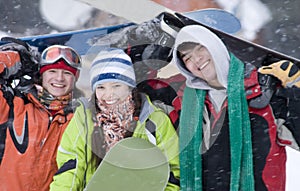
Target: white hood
pixel 217 49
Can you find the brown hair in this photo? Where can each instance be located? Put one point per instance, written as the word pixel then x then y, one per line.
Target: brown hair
pixel 185 46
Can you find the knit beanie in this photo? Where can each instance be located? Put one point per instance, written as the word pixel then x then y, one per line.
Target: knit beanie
pixel 60 64
pixel 112 65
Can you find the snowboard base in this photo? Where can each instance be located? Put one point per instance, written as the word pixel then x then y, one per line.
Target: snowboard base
pixel 133 164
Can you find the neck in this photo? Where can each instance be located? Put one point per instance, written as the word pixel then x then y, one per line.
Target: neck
pixel 216 84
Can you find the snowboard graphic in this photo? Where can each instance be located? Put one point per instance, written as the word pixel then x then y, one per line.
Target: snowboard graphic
pixel 217 19
pixel 133 164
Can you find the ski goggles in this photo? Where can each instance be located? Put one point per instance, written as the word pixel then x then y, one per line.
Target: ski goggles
pixel 55 52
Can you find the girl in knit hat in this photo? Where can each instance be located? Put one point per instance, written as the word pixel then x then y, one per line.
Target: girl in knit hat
pixel 115 111
pixel 227 140
pixel 34 116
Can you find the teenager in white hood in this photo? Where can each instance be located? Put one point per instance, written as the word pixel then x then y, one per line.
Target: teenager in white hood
pixel 212 60
pixel 220 147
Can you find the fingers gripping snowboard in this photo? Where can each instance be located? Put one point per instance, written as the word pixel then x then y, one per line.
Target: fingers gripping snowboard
pixel 133 164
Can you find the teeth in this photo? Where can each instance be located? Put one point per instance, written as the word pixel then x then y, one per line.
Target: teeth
pixel 111 102
pixel 205 64
pixel 58 85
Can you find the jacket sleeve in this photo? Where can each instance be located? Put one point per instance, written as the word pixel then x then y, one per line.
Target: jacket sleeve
pixel 8 59
pixel 287 113
pixel 287 101
pixel 167 141
pixel 73 155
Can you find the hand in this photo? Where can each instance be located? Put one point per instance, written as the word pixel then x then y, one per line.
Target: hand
pixel 287 72
pixel 9 64
pixel 23 59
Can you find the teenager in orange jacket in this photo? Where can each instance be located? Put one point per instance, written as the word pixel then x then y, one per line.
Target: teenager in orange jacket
pixel 34 115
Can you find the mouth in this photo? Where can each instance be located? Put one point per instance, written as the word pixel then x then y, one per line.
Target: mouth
pixel 58 85
pixel 111 102
pixel 203 65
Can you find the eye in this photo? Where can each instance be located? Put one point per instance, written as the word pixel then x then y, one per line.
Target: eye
pixel 68 72
pixel 186 58
pixel 117 85
pixel 99 87
pixel 51 71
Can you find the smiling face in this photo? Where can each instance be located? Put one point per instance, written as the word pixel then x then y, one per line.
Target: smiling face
pixel 58 82
pixel 200 63
pixel 112 93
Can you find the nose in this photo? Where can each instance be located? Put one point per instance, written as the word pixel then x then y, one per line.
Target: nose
pixel 108 94
pixel 60 75
pixel 197 60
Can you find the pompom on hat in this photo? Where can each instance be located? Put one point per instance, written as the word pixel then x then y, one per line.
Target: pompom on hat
pixel 112 65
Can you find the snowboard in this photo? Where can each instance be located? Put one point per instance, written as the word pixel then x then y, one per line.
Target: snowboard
pixel 214 19
pixel 217 19
pixel 149 44
pixel 145 10
pixel 83 40
pixel 133 164
pixel 246 51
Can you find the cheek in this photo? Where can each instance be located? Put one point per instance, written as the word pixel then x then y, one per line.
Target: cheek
pixel 192 68
pixel 44 80
pixel 124 92
pixel 72 81
pixel 124 95
pixel 99 94
pixel 189 67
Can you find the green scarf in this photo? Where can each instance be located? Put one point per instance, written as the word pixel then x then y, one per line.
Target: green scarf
pixel 190 134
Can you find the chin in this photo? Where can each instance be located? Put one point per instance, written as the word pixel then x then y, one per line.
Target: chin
pixel 56 94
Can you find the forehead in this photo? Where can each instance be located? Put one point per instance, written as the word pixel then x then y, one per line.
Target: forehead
pixel 189 49
pixel 186 46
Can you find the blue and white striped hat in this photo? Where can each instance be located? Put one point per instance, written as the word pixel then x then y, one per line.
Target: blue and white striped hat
pixel 112 65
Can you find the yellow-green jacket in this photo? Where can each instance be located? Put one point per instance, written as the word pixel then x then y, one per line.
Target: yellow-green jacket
pixel 74 157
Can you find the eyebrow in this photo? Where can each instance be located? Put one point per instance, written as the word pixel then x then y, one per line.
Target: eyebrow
pixel 182 55
pixel 199 46
pixel 187 52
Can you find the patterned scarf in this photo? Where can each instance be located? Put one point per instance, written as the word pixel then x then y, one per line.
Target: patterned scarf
pixel 116 121
pixel 52 103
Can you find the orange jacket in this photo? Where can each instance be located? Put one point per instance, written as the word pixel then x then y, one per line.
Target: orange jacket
pixel 28 142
